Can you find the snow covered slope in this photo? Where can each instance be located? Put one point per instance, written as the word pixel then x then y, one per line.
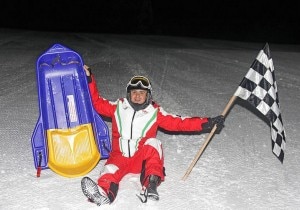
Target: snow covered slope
pixel 190 77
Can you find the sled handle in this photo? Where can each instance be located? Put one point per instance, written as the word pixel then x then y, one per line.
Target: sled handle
pixel 39 168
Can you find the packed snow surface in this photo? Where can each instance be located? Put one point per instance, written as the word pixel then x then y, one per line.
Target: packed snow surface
pixel 190 77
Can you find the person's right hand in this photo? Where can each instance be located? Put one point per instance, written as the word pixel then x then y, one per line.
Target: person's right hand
pixel 87 70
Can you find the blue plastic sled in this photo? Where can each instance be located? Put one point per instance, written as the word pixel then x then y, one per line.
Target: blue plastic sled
pixel 69 137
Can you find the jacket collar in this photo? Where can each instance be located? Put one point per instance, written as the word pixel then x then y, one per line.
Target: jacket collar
pixel 126 105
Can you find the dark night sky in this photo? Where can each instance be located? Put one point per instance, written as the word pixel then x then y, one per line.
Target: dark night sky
pixel 253 20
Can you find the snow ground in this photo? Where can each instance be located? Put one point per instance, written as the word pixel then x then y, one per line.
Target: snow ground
pixel 190 77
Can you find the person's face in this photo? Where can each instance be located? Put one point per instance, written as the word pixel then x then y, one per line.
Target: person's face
pixel 138 96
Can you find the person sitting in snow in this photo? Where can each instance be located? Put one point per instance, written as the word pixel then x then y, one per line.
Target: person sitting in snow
pixel 135 148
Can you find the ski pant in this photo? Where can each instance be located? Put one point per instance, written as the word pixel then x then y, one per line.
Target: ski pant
pixel 148 160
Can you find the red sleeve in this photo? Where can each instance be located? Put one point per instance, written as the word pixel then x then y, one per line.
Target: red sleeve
pixel 172 122
pixel 101 105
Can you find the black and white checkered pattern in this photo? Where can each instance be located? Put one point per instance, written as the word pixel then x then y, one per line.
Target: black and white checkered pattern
pixel 259 88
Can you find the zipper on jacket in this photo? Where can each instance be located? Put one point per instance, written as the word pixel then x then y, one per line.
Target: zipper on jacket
pixel 130 134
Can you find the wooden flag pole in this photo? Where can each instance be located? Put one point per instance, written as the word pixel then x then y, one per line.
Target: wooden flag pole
pixel 224 113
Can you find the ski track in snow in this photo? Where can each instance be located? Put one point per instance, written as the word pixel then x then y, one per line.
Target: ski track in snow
pixel 190 77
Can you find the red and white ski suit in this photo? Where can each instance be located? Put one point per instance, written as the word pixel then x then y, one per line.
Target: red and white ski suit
pixel 135 148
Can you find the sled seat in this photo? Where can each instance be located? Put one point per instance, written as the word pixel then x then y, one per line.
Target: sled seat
pixel 72 151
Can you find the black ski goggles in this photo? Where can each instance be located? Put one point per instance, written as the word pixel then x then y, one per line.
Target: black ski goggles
pixel 141 81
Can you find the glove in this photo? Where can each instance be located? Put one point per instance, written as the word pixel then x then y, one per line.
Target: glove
pixel 218 121
pixel 88 72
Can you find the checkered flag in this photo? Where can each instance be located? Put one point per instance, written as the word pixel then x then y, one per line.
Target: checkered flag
pixel 259 88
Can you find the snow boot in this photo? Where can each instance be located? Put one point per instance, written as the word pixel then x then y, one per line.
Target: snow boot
pixel 151 190
pixel 94 193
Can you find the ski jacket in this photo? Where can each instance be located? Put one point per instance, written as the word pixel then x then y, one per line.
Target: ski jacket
pixel 130 128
